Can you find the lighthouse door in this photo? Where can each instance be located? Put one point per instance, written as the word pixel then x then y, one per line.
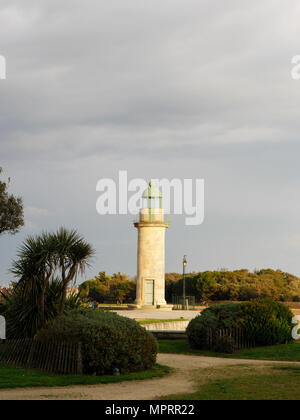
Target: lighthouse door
pixel 149 292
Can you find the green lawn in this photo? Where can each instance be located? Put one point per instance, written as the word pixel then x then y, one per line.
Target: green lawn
pixel 279 383
pixel 285 352
pixel 21 378
pixel 157 321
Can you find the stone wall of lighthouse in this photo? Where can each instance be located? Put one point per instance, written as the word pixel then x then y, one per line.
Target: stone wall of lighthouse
pixel 151 258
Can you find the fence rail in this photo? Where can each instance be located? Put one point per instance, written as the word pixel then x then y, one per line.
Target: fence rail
pixel 177 301
pixel 237 335
pixel 59 358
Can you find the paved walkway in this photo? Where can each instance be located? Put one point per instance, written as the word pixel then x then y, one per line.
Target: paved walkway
pixel 181 380
pixel 158 314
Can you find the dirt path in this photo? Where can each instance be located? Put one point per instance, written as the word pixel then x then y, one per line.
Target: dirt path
pixel 180 381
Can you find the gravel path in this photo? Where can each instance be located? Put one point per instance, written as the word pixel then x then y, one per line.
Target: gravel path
pixel 180 381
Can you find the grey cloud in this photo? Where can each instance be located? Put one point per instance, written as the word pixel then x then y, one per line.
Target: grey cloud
pixel 163 89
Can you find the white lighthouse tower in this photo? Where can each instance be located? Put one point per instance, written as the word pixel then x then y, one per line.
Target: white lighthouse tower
pixel 150 288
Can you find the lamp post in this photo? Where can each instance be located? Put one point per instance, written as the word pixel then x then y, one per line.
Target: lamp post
pixel 184 263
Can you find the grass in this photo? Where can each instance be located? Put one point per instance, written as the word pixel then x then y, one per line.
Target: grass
pixel 23 378
pixel 247 383
pixel 285 352
pixel 157 321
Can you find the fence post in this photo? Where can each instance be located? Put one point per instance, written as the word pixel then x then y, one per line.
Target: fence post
pixel 30 358
pixel 79 360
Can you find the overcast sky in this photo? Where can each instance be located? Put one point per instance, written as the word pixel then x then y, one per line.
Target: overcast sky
pixel 162 89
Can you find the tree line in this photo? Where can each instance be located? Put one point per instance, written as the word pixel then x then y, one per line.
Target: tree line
pixel 239 285
pixel 222 285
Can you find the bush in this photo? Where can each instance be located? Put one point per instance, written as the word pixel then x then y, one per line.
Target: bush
pixel 224 344
pixel 214 317
pixel 108 341
pixel 267 322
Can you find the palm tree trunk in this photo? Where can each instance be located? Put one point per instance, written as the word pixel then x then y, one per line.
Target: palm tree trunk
pixel 64 287
pixel 67 279
pixel 42 297
pixel 63 299
pixel 41 306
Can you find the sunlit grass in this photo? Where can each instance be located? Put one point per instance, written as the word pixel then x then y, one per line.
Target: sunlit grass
pixel 275 383
pixel 22 378
pixel 284 352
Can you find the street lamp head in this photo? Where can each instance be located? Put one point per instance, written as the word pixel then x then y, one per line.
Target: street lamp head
pixel 185 261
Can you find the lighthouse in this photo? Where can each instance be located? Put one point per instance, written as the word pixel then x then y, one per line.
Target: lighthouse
pixel 151 226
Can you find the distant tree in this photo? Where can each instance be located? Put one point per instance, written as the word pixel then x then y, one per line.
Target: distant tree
pixel 171 280
pixel 11 210
pixel 121 287
pixel 103 278
pixel 103 288
pixel 94 290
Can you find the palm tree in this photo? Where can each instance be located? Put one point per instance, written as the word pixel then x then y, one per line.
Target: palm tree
pixel 43 262
pixel 73 255
pixel 34 268
pixel 22 312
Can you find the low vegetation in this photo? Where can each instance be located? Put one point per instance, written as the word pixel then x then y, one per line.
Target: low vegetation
pixel 263 321
pixel 109 341
pixel 284 352
pixel 23 378
pixel 245 382
pixel 266 322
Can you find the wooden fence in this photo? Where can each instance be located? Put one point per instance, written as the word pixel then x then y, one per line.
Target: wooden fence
pixel 59 358
pixel 237 335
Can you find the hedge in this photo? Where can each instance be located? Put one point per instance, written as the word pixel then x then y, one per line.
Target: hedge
pixel 109 341
pixel 263 321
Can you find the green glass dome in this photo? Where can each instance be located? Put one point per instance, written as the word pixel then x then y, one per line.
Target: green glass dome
pixel 152 191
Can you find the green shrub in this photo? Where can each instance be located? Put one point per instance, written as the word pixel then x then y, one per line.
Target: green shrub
pixel 108 340
pixel 214 318
pixel 266 322
pixel 224 344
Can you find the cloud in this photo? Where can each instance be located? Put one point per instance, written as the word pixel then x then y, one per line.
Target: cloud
pixel 35 218
pixel 36 212
pixel 162 89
